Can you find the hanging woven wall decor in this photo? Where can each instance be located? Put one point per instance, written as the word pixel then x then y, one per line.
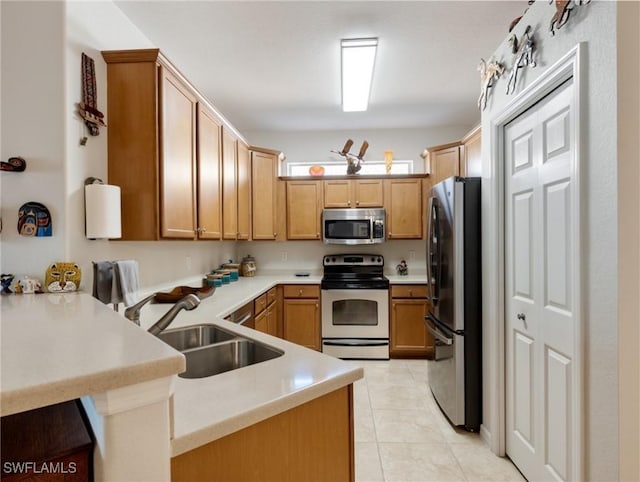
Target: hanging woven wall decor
pixel 88 108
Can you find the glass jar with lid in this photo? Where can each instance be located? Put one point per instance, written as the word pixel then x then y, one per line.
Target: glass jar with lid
pixel 248 266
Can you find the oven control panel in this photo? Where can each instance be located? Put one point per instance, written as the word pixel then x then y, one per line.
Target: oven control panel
pixel 353 260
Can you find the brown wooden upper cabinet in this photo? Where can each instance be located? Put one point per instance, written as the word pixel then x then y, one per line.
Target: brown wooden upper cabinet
pixel 403 205
pixel 264 194
pixel 460 158
pixel 471 163
pixel 229 185
pixel 163 149
pixel 304 209
pixel 236 187
pixel 353 193
pixel 445 162
pixel 151 145
pixel 209 174
pixel 244 191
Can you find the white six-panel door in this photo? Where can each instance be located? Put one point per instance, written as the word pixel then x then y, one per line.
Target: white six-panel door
pixel 540 309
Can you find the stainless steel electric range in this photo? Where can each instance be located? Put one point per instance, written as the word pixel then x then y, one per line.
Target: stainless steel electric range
pixel 355 307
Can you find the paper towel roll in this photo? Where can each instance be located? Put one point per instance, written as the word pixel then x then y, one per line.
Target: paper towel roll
pixel 102 214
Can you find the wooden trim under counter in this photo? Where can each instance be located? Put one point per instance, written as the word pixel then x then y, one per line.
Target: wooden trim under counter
pixel 311 442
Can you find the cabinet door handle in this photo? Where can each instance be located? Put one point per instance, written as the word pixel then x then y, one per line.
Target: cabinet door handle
pixel 357 203
pixel 317 235
pixel 348 203
pixel 299 292
pixel 410 293
pixel 275 235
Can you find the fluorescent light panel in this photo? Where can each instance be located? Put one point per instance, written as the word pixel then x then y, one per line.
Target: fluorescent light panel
pixel 358 58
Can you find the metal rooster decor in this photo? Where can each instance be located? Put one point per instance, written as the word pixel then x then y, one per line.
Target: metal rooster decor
pixel 489 73
pixel 523 56
pixel 563 12
pixel 353 162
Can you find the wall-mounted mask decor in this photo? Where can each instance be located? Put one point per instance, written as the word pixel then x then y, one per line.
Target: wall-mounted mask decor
pixel 489 74
pixel 14 164
pixel 563 12
pixel 88 108
pixel 34 219
pixel 523 56
pixel 62 277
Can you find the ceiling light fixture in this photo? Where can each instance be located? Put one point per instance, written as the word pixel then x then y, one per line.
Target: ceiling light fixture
pixel 358 58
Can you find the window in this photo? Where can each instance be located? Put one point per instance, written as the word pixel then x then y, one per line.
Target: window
pixel 340 168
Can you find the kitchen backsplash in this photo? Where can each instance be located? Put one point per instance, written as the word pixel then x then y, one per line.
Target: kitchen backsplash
pixel 307 255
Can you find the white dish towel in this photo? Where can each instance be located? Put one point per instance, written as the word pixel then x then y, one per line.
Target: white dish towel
pixel 125 282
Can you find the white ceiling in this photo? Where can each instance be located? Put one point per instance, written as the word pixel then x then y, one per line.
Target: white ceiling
pixel 276 65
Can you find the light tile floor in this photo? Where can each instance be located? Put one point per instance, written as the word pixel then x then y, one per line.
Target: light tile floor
pixel 401 435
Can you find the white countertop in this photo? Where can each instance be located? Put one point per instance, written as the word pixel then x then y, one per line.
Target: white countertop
pixel 58 347
pixel 410 279
pixel 207 409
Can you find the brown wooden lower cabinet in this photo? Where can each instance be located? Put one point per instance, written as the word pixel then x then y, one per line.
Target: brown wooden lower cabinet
pixel 311 442
pixel 301 315
pixel 266 311
pixel 409 336
pixel 50 444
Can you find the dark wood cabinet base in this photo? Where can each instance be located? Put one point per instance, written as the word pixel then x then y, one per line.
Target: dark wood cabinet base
pixel 49 444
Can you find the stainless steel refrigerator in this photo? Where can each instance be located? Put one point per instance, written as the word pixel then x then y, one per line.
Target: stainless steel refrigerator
pixel 455 317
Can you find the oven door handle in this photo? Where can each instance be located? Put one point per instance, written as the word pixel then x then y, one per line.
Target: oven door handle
pixel 355 342
pixel 431 328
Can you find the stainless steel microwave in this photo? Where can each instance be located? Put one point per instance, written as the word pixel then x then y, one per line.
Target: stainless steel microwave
pixel 353 226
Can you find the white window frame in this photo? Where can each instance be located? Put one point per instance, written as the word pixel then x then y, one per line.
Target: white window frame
pixel 338 168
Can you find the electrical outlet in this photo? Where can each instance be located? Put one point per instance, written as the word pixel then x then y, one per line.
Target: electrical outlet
pixel 283 256
pixel 188 262
pixel 412 255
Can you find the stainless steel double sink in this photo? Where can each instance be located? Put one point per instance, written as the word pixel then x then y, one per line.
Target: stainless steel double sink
pixel 210 350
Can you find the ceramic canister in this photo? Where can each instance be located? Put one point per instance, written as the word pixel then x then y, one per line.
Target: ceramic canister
pixel 233 269
pixel 226 275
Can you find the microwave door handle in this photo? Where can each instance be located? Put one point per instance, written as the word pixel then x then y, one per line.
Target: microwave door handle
pixel 372 224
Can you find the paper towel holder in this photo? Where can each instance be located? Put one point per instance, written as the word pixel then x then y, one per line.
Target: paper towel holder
pixel 102 210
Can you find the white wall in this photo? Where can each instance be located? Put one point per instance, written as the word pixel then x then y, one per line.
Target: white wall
pixel 315 146
pixel 40 85
pixel 92 27
pixel 33 127
pixel 594 24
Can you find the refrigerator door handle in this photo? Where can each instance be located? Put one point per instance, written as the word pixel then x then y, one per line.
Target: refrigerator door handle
pixel 434 250
pixel 429 242
pixel 437 333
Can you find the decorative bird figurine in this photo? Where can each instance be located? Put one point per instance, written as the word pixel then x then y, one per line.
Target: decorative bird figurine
pixel 353 162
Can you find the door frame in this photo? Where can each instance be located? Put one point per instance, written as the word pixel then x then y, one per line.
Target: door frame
pixel 571 65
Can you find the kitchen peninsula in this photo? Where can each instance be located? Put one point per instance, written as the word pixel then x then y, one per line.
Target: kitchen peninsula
pixel 60 347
